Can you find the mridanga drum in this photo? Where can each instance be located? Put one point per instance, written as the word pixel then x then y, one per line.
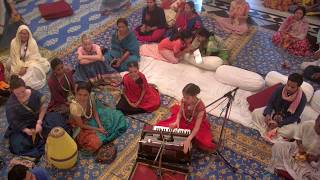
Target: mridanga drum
pixel 61 149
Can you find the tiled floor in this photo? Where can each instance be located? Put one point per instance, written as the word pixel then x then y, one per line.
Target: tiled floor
pixel 257 4
pixel 263 17
pixel 259 15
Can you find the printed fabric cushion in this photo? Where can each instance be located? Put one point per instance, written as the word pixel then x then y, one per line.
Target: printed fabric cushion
pixel 55 10
pixel 261 99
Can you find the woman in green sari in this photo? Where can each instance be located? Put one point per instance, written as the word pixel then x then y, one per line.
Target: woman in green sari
pixel 210 45
pixel 98 124
pixel 212 51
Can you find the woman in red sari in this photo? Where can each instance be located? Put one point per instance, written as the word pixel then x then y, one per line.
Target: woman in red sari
pixel 292 34
pixel 186 19
pixel 61 86
pixel 191 114
pixel 138 95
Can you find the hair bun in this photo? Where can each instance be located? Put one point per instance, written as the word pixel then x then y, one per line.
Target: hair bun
pixel 14 77
pixel 191 89
pixel 16 82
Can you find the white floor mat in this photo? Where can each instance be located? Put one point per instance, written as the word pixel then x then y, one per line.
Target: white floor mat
pixel 171 78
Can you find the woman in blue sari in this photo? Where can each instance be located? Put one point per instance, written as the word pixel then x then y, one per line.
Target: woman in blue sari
pixel 29 124
pixel 124 47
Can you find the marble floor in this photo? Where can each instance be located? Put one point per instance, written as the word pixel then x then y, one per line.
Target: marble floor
pixel 257 4
pixel 263 17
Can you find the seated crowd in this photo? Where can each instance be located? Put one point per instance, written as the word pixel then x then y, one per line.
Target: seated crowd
pixel 312 6
pixel 75 107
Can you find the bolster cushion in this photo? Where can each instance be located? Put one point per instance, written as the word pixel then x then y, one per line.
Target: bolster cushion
pixel 237 77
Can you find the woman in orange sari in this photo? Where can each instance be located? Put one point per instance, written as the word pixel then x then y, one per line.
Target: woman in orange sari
pixel 237 20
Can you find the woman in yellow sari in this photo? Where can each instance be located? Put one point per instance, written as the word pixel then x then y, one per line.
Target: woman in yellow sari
pixel 25 59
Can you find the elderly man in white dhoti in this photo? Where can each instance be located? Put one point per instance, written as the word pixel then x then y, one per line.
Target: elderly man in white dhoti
pixel 25 59
pixel 301 159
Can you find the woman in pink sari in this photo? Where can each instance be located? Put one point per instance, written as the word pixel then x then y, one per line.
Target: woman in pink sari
pixel 292 34
pixel 237 20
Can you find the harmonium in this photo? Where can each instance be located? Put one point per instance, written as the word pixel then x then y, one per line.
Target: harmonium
pixel 162 145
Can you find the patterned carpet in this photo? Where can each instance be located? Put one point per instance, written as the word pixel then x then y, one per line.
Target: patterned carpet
pixel 243 148
pixel 232 42
pixel 261 56
pixel 57 34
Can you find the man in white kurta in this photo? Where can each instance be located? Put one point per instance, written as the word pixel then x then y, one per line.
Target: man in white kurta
pixel 308 144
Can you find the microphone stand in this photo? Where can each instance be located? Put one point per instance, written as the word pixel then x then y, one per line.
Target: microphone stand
pixel 159 172
pixel 160 152
pixel 161 148
pixel 137 119
pixel 230 95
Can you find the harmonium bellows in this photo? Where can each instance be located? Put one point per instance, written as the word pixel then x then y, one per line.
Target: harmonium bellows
pixel 172 140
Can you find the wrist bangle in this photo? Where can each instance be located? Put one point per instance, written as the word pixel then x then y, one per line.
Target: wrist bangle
pixel 39 122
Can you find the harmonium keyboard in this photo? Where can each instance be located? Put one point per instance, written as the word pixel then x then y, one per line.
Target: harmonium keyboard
pixel 173 157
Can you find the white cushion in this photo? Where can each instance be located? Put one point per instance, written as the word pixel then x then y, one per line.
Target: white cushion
pixel 210 63
pixel 315 101
pixel 237 77
pixel 274 77
pixel 309 114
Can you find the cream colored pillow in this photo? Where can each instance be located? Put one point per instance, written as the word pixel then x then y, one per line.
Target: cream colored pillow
pixel 237 77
